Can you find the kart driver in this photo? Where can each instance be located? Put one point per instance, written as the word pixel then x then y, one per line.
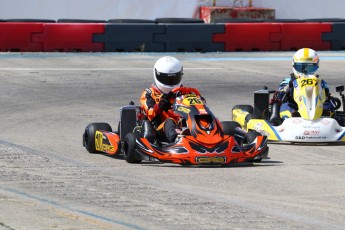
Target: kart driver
pixel 305 64
pixel 156 100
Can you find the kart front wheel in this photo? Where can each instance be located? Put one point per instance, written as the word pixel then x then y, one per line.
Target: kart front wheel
pixel 89 135
pixel 251 136
pixel 229 127
pixel 234 129
pixel 129 145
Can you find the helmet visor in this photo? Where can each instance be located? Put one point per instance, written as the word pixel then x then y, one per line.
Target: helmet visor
pixel 306 68
pixel 170 79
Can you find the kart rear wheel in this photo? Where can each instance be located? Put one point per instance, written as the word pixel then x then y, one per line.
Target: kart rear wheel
pixel 129 145
pixel 89 135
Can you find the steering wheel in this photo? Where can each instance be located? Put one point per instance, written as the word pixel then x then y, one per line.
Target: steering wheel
pixel 186 90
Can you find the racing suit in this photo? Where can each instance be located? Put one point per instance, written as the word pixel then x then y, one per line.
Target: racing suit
pixel 163 119
pixel 289 107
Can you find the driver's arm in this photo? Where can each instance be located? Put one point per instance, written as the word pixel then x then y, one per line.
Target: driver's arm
pixel 149 105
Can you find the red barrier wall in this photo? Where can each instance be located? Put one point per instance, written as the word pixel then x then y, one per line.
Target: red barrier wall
pixel 274 36
pixel 70 37
pixel 18 37
pixel 249 36
pixel 297 35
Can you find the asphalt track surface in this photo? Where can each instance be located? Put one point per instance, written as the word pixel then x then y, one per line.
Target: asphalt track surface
pixel 49 181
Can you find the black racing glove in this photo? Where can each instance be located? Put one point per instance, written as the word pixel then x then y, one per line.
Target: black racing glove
pixel 164 104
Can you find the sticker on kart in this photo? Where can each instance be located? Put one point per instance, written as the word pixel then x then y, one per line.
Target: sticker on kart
pixel 209 160
pixel 100 146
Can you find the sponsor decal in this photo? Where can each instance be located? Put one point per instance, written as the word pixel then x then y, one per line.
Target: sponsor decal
pixel 107 148
pixel 202 111
pixel 306 59
pixel 98 140
pixel 311 132
pixel 210 160
pixel 297 121
pixel 309 137
pixel 311 127
pixel 258 126
pixel 325 122
pixel 183 109
pixel 100 146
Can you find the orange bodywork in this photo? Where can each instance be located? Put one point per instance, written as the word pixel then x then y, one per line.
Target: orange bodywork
pixel 188 151
pixel 107 142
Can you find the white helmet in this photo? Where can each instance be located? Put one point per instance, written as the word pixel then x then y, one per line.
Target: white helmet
pixel 305 62
pixel 167 73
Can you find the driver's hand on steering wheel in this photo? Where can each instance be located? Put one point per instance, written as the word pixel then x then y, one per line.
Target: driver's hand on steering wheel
pixel 169 95
pixel 164 104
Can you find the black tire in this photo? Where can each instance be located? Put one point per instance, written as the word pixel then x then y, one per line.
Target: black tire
pixel 251 135
pixel 234 129
pixel 129 146
pixel 324 20
pixel 179 20
pixel 80 21
pixel 89 135
pixel 249 117
pixel 30 20
pixel 229 127
pixel 131 21
pixel 247 108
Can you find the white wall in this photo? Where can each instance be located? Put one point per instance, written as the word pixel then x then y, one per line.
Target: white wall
pixel 151 9
pixel 97 9
pixel 303 9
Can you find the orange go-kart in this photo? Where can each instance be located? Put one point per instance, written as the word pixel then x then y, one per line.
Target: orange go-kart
pixel 203 141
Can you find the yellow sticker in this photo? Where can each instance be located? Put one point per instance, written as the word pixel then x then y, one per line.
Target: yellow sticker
pixel 208 160
pixel 192 100
pixel 183 109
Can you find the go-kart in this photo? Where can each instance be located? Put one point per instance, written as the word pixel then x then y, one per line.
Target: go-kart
pixel 203 141
pixel 312 124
